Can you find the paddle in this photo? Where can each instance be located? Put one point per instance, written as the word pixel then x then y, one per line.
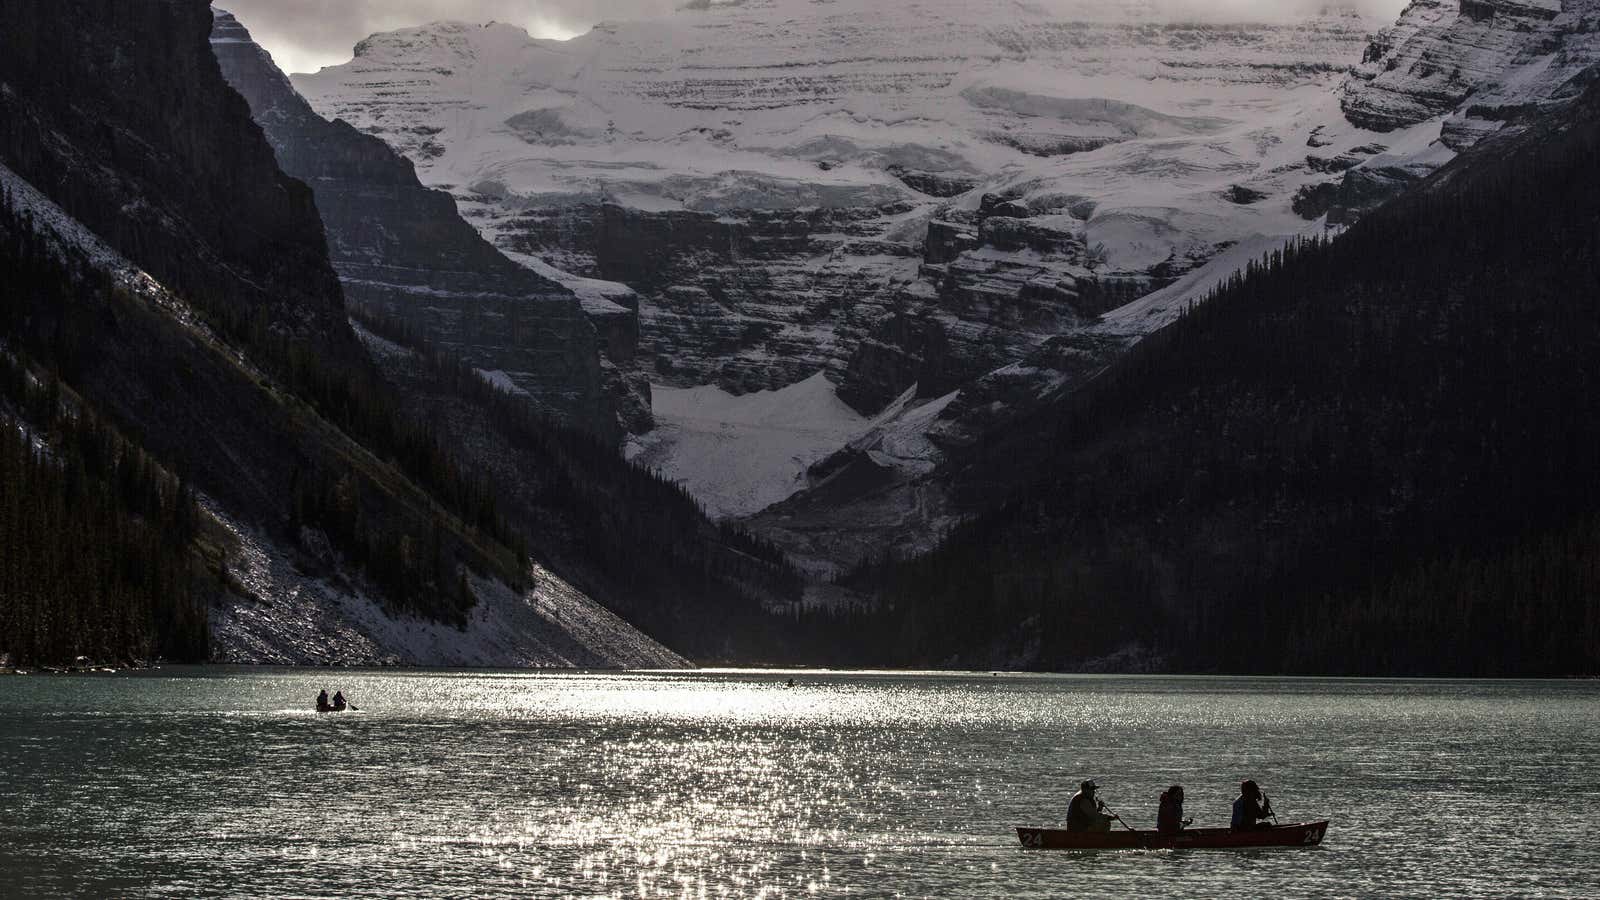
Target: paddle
pixel 1113 814
pixel 1270 811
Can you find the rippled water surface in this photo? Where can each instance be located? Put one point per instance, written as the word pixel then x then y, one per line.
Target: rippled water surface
pixel 220 781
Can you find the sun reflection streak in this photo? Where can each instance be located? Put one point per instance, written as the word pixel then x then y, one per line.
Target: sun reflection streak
pixel 731 784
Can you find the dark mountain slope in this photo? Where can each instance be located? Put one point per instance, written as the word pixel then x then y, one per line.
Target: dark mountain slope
pixel 1373 455
pixel 118 112
pixel 95 536
pixel 418 273
pixel 130 129
pixel 177 390
pixel 403 251
pixel 316 478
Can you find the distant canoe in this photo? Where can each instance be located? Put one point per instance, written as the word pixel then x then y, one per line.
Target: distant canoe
pixel 1304 834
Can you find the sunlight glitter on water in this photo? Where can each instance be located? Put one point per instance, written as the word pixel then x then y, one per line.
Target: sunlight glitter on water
pixel 731 784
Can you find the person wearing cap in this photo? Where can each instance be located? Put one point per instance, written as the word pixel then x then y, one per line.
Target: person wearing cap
pixel 1247 810
pixel 1086 812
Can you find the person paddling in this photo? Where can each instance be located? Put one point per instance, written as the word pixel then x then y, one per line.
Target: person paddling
pixel 322 701
pixel 338 701
pixel 1086 812
pixel 1248 810
pixel 1169 818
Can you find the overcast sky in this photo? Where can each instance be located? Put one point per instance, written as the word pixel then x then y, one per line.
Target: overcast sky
pixel 304 35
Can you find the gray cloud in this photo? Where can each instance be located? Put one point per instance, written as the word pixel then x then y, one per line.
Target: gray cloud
pixel 304 35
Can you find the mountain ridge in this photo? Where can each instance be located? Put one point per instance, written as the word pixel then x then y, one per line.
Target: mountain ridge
pixel 402 251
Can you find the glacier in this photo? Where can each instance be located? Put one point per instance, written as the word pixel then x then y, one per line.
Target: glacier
pixel 949 211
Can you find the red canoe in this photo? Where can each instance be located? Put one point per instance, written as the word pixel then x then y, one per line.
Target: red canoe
pixel 1304 834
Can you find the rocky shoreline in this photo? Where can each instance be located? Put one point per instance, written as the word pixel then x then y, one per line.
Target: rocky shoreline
pixel 82 665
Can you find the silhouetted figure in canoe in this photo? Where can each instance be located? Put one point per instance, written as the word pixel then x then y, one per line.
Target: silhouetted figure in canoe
pixel 1086 811
pixel 338 701
pixel 1169 818
pixel 322 702
pixel 1248 810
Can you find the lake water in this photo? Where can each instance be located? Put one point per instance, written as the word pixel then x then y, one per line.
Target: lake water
pixel 222 781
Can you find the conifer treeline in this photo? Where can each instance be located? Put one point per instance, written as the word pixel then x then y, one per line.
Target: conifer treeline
pixel 95 535
pixel 51 297
pixel 94 538
pixel 406 560
pixel 1368 455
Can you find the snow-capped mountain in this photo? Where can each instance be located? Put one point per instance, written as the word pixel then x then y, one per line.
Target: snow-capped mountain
pixel 817 141
pixel 950 209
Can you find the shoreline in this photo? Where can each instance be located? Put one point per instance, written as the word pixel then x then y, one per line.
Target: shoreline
pixel 93 668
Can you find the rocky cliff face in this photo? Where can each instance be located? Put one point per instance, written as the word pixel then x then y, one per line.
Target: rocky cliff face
pixel 1474 67
pixel 752 303
pixel 994 286
pixel 902 200
pixel 764 174
pixel 1505 56
pixel 402 250
pixel 952 214
pixel 118 112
